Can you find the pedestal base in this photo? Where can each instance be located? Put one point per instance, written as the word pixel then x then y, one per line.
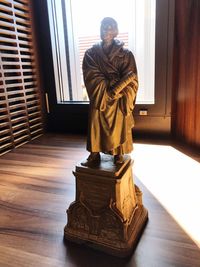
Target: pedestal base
pixel 108 213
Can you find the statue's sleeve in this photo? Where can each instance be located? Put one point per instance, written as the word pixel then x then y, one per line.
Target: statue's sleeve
pixel 127 101
pixel 95 82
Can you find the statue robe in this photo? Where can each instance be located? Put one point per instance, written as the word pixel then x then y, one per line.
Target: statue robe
pixel 110 119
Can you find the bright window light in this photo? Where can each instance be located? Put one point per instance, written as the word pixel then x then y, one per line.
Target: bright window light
pixel 75 26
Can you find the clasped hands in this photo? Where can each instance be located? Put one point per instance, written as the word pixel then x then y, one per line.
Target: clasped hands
pixel 115 92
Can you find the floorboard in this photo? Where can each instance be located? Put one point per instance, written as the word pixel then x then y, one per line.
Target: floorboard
pixel 37 186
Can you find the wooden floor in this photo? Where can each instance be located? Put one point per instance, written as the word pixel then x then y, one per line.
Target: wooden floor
pixel 37 186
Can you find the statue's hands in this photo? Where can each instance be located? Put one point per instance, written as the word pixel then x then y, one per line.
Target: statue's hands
pixel 116 91
pixel 124 81
pixel 130 77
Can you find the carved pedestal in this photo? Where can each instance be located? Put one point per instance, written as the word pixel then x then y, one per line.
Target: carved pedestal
pixel 108 213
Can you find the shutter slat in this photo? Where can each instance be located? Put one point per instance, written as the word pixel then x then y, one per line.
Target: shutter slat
pixel 20 102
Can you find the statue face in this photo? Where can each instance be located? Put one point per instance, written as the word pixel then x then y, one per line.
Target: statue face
pixel 108 31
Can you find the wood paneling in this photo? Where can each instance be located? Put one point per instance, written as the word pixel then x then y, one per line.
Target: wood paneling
pixel 186 87
pixel 20 107
pixel 37 185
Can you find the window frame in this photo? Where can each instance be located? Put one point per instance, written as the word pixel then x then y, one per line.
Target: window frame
pixel 64 41
pixel 73 117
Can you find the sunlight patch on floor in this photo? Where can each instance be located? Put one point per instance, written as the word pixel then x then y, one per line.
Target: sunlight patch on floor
pixel 174 179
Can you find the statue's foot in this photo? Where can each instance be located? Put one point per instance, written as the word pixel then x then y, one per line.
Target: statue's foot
pixel 93 160
pixel 118 159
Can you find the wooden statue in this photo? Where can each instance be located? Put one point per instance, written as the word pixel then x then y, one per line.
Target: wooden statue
pixel 108 213
pixel 110 77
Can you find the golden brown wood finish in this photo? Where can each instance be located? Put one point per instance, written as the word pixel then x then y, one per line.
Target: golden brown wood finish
pixel 186 97
pixel 110 220
pixel 36 187
pixel 20 108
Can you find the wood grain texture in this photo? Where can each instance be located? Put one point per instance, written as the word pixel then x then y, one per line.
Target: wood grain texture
pixel 36 188
pixel 186 88
pixel 20 100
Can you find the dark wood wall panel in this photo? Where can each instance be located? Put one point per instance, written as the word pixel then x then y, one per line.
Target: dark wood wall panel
pixel 20 105
pixel 186 87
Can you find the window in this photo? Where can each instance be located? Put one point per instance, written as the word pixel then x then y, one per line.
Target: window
pixel 74 26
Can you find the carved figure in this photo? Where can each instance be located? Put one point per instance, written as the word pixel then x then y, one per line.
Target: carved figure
pixel 110 77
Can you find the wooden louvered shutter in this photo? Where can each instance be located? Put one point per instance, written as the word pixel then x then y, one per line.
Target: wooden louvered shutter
pixel 20 104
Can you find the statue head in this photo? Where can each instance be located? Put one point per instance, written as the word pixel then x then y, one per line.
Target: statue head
pixel 108 30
